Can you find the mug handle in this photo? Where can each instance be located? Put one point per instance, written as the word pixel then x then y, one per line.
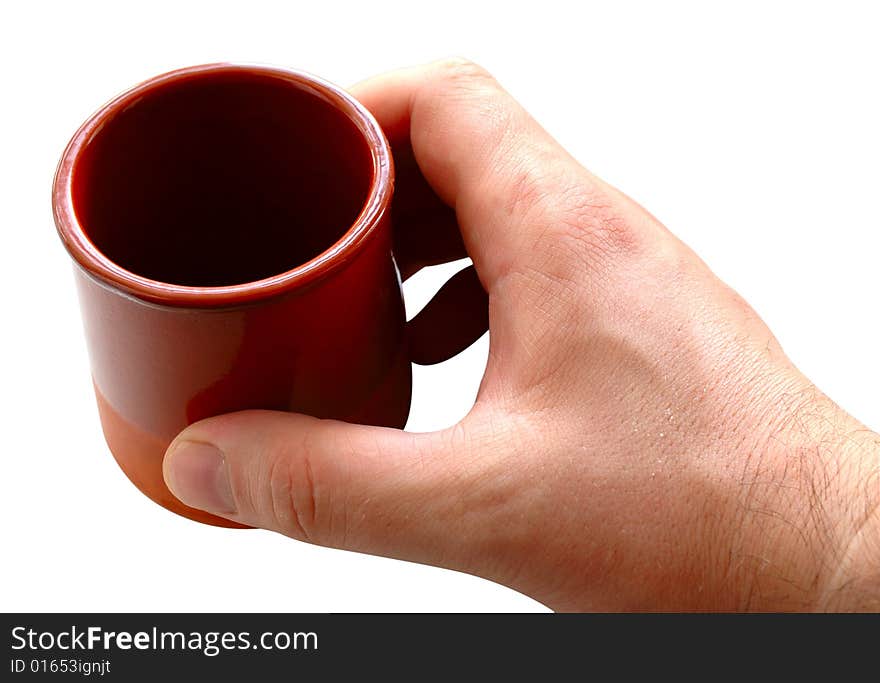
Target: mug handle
pixel 456 316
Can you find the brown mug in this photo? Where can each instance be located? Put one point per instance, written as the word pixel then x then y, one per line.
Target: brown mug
pixel 230 231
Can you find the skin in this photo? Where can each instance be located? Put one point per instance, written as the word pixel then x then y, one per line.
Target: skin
pixel 640 441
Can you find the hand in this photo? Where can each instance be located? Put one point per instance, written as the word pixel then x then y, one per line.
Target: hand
pixel 640 440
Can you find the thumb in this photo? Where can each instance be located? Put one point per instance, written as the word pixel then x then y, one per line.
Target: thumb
pixel 369 489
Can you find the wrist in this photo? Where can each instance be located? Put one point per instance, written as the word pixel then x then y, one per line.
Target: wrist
pixel 854 582
pixel 807 532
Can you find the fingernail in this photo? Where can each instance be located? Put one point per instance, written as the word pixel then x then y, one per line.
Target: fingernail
pixel 196 474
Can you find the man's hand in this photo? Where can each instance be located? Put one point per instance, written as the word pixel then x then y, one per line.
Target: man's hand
pixel 640 440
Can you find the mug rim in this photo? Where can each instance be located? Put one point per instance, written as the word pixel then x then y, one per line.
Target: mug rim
pixel 87 255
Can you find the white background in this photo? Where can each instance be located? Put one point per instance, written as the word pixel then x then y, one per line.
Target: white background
pixel 752 132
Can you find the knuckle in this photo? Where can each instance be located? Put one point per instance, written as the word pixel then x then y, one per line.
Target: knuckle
pixel 468 87
pixel 595 221
pixel 588 213
pixel 529 187
pixel 461 84
pixel 295 501
pixel 468 94
pixel 462 71
pixel 582 225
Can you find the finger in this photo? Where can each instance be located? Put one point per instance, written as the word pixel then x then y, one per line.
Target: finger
pixel 454 319
pixel 511 184
pixel 426 230
pixel 369 489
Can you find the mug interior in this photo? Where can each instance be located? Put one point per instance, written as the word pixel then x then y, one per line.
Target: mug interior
pixel 221 178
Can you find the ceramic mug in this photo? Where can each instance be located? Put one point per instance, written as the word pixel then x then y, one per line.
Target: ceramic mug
pixel 230 231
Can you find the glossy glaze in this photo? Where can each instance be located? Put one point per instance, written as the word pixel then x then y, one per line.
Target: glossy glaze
pixel 173 198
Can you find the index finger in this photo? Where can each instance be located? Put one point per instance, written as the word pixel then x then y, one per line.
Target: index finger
pixel 486 157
